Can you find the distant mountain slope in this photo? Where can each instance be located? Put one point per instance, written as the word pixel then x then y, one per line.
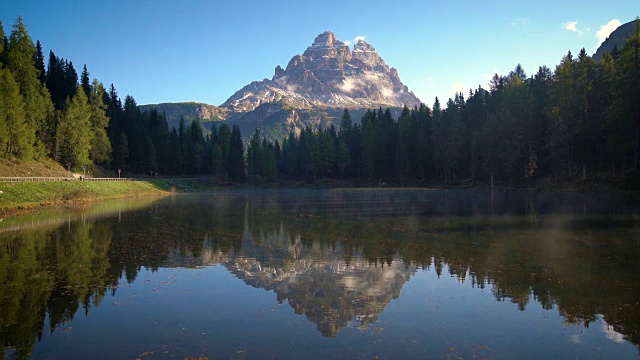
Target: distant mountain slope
pixel 616 39
pixel 189 110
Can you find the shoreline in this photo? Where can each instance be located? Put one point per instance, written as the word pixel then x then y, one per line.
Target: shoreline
pixel 33 196
pixel 25 197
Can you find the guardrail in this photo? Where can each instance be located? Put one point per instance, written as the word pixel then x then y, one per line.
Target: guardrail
pixel 38 178
pixel 42 178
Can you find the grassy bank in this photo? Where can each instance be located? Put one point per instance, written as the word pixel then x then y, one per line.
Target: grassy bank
pixel 27 195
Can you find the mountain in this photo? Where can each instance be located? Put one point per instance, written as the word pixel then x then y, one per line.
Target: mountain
pixel 189 110
pixel 313 91
pixel 328 75
pixel 616 39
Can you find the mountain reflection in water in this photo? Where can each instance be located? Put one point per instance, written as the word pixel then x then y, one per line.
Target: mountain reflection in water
pixel 336 257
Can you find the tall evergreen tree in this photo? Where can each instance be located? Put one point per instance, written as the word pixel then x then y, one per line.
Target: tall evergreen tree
pixel 100 145
pixel 3 40
pixel 75 131
pixel 255 165
pixel 405 147
pixel 562 113
pixel 55 80
pixel 39 61
pixel 84 80
pixel 21 61
pixel 197 149
pixel 236 157
pixel 224 141
pixel 15 138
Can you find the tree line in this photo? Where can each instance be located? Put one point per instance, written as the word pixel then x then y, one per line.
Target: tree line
pixel 582 117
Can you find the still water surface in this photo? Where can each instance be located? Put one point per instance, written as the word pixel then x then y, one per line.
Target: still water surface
pixel 324 273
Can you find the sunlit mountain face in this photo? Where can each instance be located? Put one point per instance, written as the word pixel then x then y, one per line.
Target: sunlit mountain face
pixel 328 74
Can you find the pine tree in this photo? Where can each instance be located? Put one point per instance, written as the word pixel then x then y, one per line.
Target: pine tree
pixel 343 158
pixel 236 157
pixel 151 162
pixel 424 147
pixel 217 162
pixel 122 158
pixel 100 145
pixel 15 137
pixel 588 134
pixel 562 122
pixel 55 80
pixel 255 165
pixel 539 87
pixel 196 147
pixel 346 125
pixel 404 147
pixel 21 61
pixel 84 80
pixel 39 61
pixel 3 40
pixel 224 141
pixel 328 150
pixel 70 79
pixel 269 160
pixel 75 131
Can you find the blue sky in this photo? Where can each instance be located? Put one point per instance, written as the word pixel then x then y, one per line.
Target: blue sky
pixel 170 51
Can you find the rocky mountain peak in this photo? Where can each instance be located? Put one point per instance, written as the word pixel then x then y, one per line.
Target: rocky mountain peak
pixel 327 38
pixel 366 57
pixel 362 45
pixel 327 46
pixel 328 75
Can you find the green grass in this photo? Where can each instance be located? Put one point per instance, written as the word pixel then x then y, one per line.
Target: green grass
pixel 33 194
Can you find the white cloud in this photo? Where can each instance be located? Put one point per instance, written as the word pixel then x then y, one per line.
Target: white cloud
pixel 520 22
pixel 347 85
pixel 282 81
pixel 457 87
pixel 359 37
pixel 430 79
pixel 348 42
pixel 573 26
pixel 372 76
pixel 606 30
pixel 387 92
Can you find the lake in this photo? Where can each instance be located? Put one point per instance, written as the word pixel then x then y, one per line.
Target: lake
pixel 306 274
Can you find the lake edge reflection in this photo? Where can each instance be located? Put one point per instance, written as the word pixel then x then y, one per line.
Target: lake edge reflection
pixel 298 244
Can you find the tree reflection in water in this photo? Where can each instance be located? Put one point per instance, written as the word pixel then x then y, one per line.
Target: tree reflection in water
pixel 338 257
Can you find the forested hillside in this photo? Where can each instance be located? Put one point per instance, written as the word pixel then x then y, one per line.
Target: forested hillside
pixel 581 117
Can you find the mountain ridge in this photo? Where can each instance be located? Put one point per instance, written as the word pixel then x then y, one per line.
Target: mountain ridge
pixel 616 39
